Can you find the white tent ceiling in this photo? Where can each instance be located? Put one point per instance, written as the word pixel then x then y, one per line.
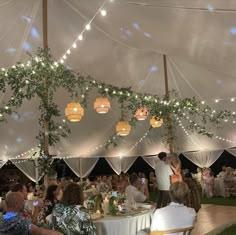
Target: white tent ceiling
pixel 125 48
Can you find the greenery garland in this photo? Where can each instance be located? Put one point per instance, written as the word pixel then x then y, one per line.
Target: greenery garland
pixel 27 81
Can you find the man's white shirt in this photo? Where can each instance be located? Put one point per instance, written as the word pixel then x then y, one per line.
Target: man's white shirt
pixel 163 173
pixel 173 216
pixel 133 194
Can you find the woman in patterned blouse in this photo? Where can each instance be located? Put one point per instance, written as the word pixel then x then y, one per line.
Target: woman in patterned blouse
pixel 42 210
pixel 69 217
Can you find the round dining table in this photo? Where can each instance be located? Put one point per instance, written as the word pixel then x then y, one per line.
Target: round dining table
pixel 124 224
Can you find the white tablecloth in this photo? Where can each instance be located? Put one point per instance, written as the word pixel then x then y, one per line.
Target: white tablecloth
pixel 124 225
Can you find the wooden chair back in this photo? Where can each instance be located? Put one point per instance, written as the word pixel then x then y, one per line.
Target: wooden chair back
pixel 184 231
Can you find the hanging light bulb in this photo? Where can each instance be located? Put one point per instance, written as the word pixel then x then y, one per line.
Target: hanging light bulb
pixel 103 12
pixel 81 36
pixel 88 27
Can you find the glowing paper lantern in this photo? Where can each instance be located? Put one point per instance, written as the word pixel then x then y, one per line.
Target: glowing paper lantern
pixel 102 105
pixel 74 112
pixel 156 122
pixel 123 128
pixel 141 113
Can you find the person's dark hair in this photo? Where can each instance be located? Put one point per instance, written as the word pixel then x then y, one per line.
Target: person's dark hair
pixel 72 195
pixel 17 187
pixel 178 192
pixel 162 155
pixel 188 175
pixel 133 178
pixel 50 192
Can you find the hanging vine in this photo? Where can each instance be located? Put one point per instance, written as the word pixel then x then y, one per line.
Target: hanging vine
pixel 25 82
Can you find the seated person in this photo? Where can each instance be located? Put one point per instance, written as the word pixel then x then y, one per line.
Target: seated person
pixel 13 223
pixel 193 198
pixel 42 210
pixel 38 192
pixel 153 181
pixel 104 185
pixel 122 183
pixel 229 181
pixel 222 173
pixel 132 192
pixel 69 216
pixel 114 181
pixel 175 215
pixel 21 188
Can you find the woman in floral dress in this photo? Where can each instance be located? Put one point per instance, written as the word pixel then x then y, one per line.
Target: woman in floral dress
pixel 70 217
pixel 42 210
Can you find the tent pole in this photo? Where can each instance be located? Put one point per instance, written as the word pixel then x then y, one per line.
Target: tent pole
pixel 45 24
pixel 169 125
pixel 81 169
pixel 45 46
pixel 36 171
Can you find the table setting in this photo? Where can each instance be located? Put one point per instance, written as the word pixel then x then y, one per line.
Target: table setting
pixel 118 215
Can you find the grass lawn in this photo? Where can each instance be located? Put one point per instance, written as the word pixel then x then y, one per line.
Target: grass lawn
pixel 228 201
pixel 229 231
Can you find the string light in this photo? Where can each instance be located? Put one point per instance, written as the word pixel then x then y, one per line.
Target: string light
pixel 87 27
pixel 217 137
pixel 34 149
pixel 103 12
pixel 223 139
pixel 186 132
pixel 137 143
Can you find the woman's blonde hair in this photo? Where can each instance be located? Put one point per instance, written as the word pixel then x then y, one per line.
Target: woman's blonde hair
pixel 174 159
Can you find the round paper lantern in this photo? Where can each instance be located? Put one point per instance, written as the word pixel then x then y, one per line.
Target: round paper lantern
pixel 156 122
pixel 74 112
pixel 102 105
pixel 141 113
pixel 123 128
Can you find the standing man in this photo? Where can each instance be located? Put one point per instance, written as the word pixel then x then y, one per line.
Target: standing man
pixel 163 173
